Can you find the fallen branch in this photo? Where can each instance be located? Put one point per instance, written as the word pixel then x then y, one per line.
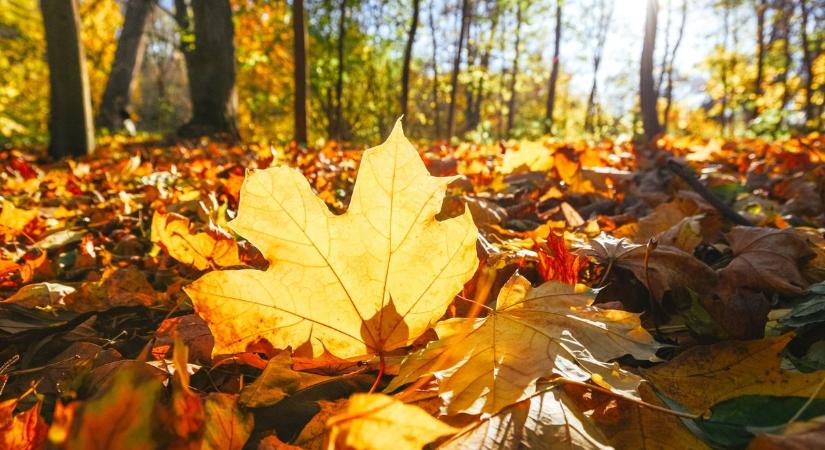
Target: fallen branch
pixel 691 179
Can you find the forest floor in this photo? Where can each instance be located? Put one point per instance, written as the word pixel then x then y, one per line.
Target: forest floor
pixel 707 260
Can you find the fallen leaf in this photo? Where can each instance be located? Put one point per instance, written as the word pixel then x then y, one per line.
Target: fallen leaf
pixel 25 430
pixel 377 421
pixel 533 333
pixel 768 259
pixel 276 382
pixel 227 426
pixel 708 374
pixel 368 281
pixel 802 435
pixel 557 263
pixel 126 286
pixel 546 420
pixel 205 250
pixel 13 220
pixel 667 267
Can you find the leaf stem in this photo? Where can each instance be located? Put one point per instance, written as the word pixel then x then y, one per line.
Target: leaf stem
pixel 381 367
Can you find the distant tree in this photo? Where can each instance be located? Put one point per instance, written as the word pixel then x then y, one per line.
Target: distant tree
pixel 511 105
pixel 299 31
pixel 71 127
pixel 599 33
pixel 647 88
pixel 668 59
pixel 761 9
pixel 436 109
pixel 405 73
pixel 807 62
pixel 209 50
pixel 465 21
pixel 338 126
pixel 554 73
pixel 128 57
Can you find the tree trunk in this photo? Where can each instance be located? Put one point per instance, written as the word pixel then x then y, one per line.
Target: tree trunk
pixel 669 87
pixel 511 105
pixel 405 74
pixel 465 17
pixel 339 83
pixel 128 57
pixel 474 116
pixel 663 65
pixel 647 91
pixel 210 68
pixel 554 73
pixel 807 62
pixel 761 8
pixel 299 39
pixel 71 127
pixel 436 111
pixel 605 14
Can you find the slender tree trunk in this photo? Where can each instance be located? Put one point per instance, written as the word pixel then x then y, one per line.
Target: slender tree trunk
pixel 511 105
pixel 786 13
pixel 554 73
pixel 71 129
pixel 663 65
pixel 761 8
pixel 474 116
pixel 647 91
pixel 299 39
pixel 605 14
pixel 339 83
pixel 669 87
pixel 128 57
pixel 465 18
pixel 807 62
pixel 210 68
pixel 436 110
pixel 405 74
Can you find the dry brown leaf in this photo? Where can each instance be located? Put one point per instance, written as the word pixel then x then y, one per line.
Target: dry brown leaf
pixel 768 259
pixel 534 333
pixel 667 267
pixel 377 421
pixel 545 421
pixel 367 281
pixel 205 250
pixel 706 375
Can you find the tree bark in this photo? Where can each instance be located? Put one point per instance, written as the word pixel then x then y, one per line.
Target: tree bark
pixel 210 68
pixel 554 73
pixel 405 74
pixel 474 116
pixel 71 127
pixel 465 17
pixel 511 104
pixel 337 132
pixel 299 39
pixel 128 57
pixel 647 91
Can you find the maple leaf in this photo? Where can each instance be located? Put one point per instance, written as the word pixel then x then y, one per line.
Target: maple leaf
pixel 533 333
pixel 666 267
pixel 377 421
pixel 364 282
pixel 547 419
pixel 203 250
pixel 557 263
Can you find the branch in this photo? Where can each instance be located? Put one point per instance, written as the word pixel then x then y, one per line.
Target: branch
pixel 690 178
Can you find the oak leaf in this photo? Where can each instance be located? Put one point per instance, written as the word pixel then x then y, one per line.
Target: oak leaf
pixel 22 431
pixel 365 282
pixel 533 333
pixel 706 375
pixel 377 421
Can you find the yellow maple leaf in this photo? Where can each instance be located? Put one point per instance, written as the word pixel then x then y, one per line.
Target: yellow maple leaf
pixel 203 250
pixel 364 282
pixel 377 421
pixel 533 333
